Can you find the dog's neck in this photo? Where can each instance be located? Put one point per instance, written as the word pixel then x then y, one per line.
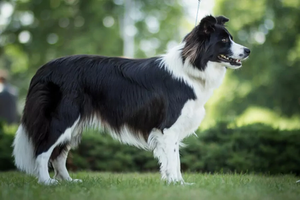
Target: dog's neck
pixel 209 79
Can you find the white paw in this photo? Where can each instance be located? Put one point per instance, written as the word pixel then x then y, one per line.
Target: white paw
pixel 76 180
pixel 185 183
pixel 49 181
pixel 178 181
pixel 298 181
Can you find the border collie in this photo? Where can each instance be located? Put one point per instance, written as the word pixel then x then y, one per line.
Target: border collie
pixel 151 103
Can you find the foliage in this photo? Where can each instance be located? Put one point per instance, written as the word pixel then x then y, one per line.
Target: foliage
pixel 255 148
pixel 98 151
pixel 6 140
pixel 270 78
pixel 149 187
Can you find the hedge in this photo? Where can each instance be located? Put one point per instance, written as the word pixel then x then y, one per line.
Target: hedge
pixel 253 148
pixel 6 140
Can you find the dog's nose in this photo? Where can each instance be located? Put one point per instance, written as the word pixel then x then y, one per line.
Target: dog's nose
pixel 247 51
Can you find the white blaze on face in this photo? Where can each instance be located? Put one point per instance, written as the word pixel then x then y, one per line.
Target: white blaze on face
pixel 238 51
pixel 238 54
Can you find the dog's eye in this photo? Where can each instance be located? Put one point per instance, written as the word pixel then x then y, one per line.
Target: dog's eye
pixel 225 40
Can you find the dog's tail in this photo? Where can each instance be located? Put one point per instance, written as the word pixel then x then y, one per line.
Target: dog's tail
pixel 34 126
pixel 23 152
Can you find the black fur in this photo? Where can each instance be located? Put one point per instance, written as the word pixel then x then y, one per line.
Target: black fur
pixel 138 93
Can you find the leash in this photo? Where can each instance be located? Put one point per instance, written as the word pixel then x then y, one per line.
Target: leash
pixel 197 12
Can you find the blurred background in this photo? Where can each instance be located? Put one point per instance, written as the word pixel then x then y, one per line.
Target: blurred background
pixel 253 119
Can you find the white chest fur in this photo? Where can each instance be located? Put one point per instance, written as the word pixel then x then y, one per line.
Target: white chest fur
pixel 193 111
pixel 202 82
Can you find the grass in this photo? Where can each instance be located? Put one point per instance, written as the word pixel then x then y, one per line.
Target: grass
pixel 15 185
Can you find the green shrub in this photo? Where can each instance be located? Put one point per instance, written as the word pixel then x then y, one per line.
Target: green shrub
pixel 255 148
pixel 252 148
pixel 98 151
pixel 6 140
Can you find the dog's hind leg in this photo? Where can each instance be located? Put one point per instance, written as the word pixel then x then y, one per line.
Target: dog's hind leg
pixel 59 165
pixel 42 165
pixel 58 160
pixel 60 132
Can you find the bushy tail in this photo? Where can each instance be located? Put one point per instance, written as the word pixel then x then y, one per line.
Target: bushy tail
pixel 23 152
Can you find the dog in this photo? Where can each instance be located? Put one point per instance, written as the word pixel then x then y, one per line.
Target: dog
pixel 151 103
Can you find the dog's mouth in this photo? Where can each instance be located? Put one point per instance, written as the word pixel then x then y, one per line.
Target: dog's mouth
pixel 231 61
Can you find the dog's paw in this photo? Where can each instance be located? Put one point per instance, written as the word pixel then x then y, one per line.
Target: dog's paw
pixel 298 181
pixel 76 181
pixel 185 183
pixel 178 182
pixel 49 181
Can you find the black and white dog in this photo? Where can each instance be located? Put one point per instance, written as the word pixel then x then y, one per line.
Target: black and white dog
pixel 150 103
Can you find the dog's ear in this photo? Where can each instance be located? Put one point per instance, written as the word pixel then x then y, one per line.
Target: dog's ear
pixel 207 24
pixel 222 20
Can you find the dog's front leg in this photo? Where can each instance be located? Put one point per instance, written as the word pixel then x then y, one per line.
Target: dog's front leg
pixel 167 152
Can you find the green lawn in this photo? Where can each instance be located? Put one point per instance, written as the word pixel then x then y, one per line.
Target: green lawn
pixel 14 185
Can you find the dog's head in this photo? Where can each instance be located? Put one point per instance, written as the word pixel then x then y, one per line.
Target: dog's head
pixel 211 41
